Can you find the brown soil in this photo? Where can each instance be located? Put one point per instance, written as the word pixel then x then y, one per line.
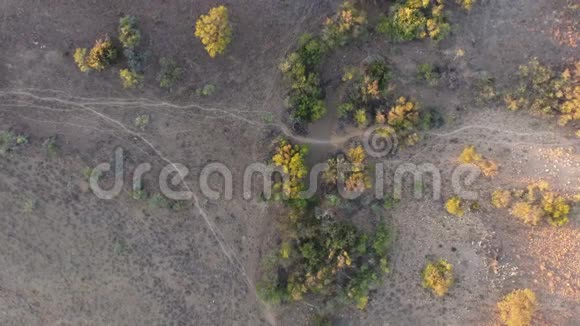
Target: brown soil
pixel 77 260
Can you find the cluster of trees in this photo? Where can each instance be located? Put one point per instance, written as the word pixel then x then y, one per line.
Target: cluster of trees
pixel 320 255
pixel 546 92
pixel 368 88
pixel 355 178
pixel 534 204
pixel 101 55
pixel 306 98
pixel 213 30
pixel 416 19
pixel 130 38
pixel 318 252
pixel 368 97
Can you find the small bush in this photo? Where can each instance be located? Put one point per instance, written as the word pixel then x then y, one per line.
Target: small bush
pixel 430 118
pixel 80 59
pixel 159 201
pixel 29 205
pixel 142 121
pixel 501 198
pixel 334 171
pixel 51 147
pixel 470 156
pixel 517 308
pixel 428 73
pixel 130 79
pixel 438 277
pixel 129 35
pixel 360 117
pixel 206 90
pixel 101 55
pixel 465 4
pixel 7 142
pixel 135 60
pixel 556 208
pixel 454 206
pixel 357 180
pixel 345 109
pixel 169 74
pixel 528 213
pixel 214 30
pixel 349 23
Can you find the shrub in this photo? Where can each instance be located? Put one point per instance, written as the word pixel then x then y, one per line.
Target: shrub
pixel 334 171
pixel 438 277
pixel 129 35
pixel 214 30
pixel 430 118
pixel 135 60
pixel 415 19
pixel 428 73
pixel 7 142
pixel 470 156
pixel 405 24
pixel 517 308
pixel 305 96
pixel 159 201
pixel 454 206
pixel 403 115
pixel 29 205
pixel 543 91
pixel 142 121
pixel 169 73
pixel 465 4
pixel 345 109
pixel 501 198
pixel 556 208
pixel 528 213
pixel 535 203
pixel 101 55
pixel 80 59
pixel 310 50
pixel 357 180
pixel 291 159
pixel 51 147
pixel 348 23
pixel 206 90
pixel 130 78
pixel 360 117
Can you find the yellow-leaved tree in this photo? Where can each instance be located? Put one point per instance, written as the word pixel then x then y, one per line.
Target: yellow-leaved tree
pixel 214 30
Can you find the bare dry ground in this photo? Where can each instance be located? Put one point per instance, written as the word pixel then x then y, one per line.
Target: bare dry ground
pixel 77 260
